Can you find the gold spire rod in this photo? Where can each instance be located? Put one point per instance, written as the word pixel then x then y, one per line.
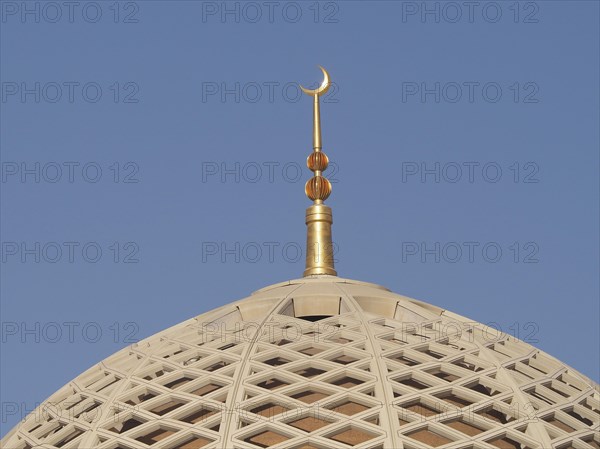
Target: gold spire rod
pixel 319 246
pixel 316 124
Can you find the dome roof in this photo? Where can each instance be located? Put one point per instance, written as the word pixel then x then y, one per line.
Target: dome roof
pixel 321 362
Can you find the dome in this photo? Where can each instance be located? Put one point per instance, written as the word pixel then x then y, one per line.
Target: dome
pixel 321 362
pixel 318 363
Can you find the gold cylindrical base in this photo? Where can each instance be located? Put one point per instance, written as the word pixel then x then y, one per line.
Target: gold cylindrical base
pixel 319 246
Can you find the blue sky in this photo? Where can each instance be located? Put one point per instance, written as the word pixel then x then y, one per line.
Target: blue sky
pixel 153 167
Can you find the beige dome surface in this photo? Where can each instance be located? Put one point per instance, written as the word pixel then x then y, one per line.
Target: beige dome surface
pixel 321 362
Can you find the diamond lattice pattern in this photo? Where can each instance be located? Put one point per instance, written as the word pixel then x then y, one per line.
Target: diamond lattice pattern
pixel 321 363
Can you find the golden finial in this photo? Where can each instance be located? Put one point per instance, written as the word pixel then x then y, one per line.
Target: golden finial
pixel 319 246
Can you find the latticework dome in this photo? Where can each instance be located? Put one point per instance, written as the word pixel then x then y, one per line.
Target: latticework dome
pixel 321 362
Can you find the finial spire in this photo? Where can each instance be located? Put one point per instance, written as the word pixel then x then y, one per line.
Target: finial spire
pixel 319 246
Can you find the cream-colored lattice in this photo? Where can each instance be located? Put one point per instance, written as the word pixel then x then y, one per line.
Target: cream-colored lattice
pixel 321 363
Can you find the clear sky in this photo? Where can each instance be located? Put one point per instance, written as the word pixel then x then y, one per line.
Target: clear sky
pixel 153 166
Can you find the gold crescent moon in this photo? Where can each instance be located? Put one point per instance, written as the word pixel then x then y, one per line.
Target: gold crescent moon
pixel 322 89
